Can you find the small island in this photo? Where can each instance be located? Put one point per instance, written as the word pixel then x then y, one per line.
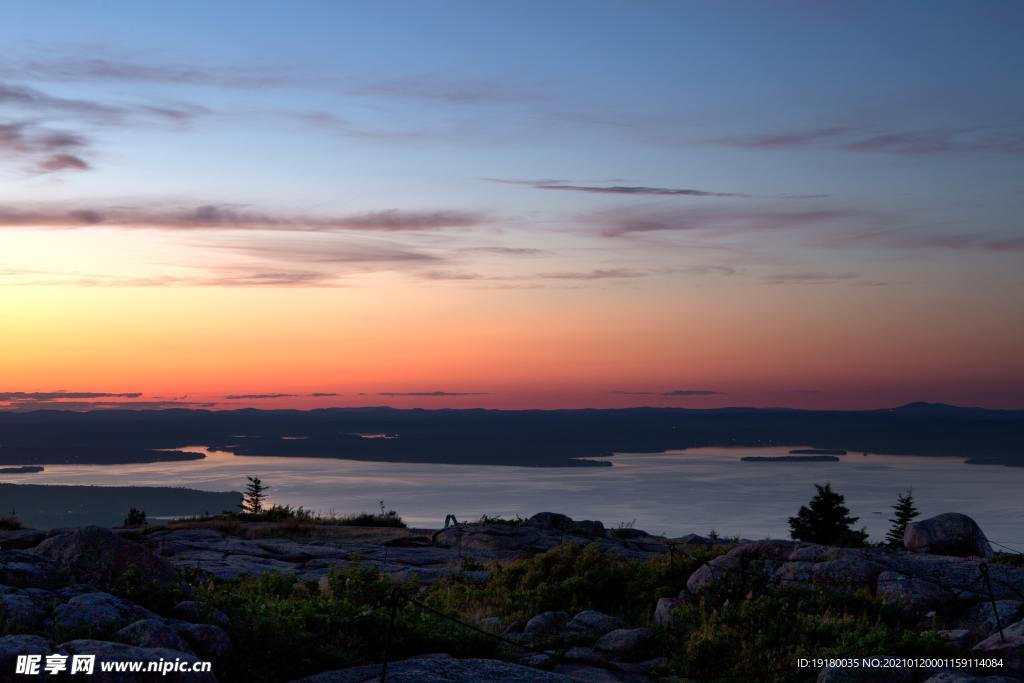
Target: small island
pixel 25 469
pixel 818 451
pixel 790 458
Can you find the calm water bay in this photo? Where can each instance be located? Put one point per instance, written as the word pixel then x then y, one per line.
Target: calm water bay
pixel 673 493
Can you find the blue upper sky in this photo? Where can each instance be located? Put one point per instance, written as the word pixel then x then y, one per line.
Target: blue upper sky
pixel 871 151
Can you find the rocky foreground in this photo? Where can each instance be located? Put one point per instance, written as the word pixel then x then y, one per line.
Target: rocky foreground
pixel 63 591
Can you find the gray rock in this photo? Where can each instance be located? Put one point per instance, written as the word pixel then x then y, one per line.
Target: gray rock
pixel 543 626
pixel 847 572
pixel 865 675
pixel 779 551
pixel 959 637
pixel 119 652
pixel 646 668
pixel 664 609
pixel 592 624
pixel 25 570
pixel 95 614
pixel 1011 649
pixel 503 539
pixel 947 534
pixel 589 528
pixel 694 539
pixel 538 660
pixel 962 677
pixel 21 611
pixel 580 671
pixel 153 633
pixel 20 539
pixel 206 640
pixel 100 557
pixel 12 646
pixel 627 643
pixel 441 668
pixel 724 572
pixel 791 573
pixel 587 655
pixel 550 520
pixel 915 594
pixel 981 618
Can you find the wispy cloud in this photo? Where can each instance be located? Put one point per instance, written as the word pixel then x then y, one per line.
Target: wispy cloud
pixel 45 149
pixel 25 401
pixel 60 395
pixel 675 393
pixel 432 393
pixel 249 397
pixel 615 189
pixel 30 112
pixel 81 68
pixel 226 217
pixel 626 222
pixel 808 278
pixel 167 71
pixel 596 274
pixel 507 251
pixel 913 142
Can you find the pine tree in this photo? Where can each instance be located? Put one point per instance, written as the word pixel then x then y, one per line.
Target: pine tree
pixel 905 513
pixel 826 520
pixel 255 494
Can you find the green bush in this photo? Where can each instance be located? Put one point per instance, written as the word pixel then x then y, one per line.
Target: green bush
pixel 570 577
pixel 283 628
pixel 761 637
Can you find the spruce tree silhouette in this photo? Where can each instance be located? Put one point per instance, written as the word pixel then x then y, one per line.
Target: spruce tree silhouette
pixel 826 520
pixel 255 494
pixel 905 513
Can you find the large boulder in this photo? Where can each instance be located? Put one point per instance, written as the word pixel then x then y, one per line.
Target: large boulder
pixel 95 615
pixel 981 618
pixel 1008 645
pixel 947 534
pixel 12 646
pixel 664 609
pixel 627 643
pixel 915 594
pixel 206 640
pixel 100 557
pixel 153 633
pixel 440 668
pixel 25 570
pixel 22 610
pixel 544 626
pixel 591 624
pixel 20 539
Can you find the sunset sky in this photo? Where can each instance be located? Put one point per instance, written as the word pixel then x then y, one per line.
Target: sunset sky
pixel 530 204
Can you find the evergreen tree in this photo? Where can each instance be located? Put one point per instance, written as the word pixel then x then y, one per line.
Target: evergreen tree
pixel 905 513
pixel 826 520
pixel 135 517
pixel 255 494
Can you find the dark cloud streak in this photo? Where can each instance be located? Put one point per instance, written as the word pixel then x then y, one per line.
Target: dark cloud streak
pixel 615 189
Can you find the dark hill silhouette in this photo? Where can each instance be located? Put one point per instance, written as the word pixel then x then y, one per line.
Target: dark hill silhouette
pixel 545 438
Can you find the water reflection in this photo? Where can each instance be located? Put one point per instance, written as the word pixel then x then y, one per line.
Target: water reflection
pixel 676 492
